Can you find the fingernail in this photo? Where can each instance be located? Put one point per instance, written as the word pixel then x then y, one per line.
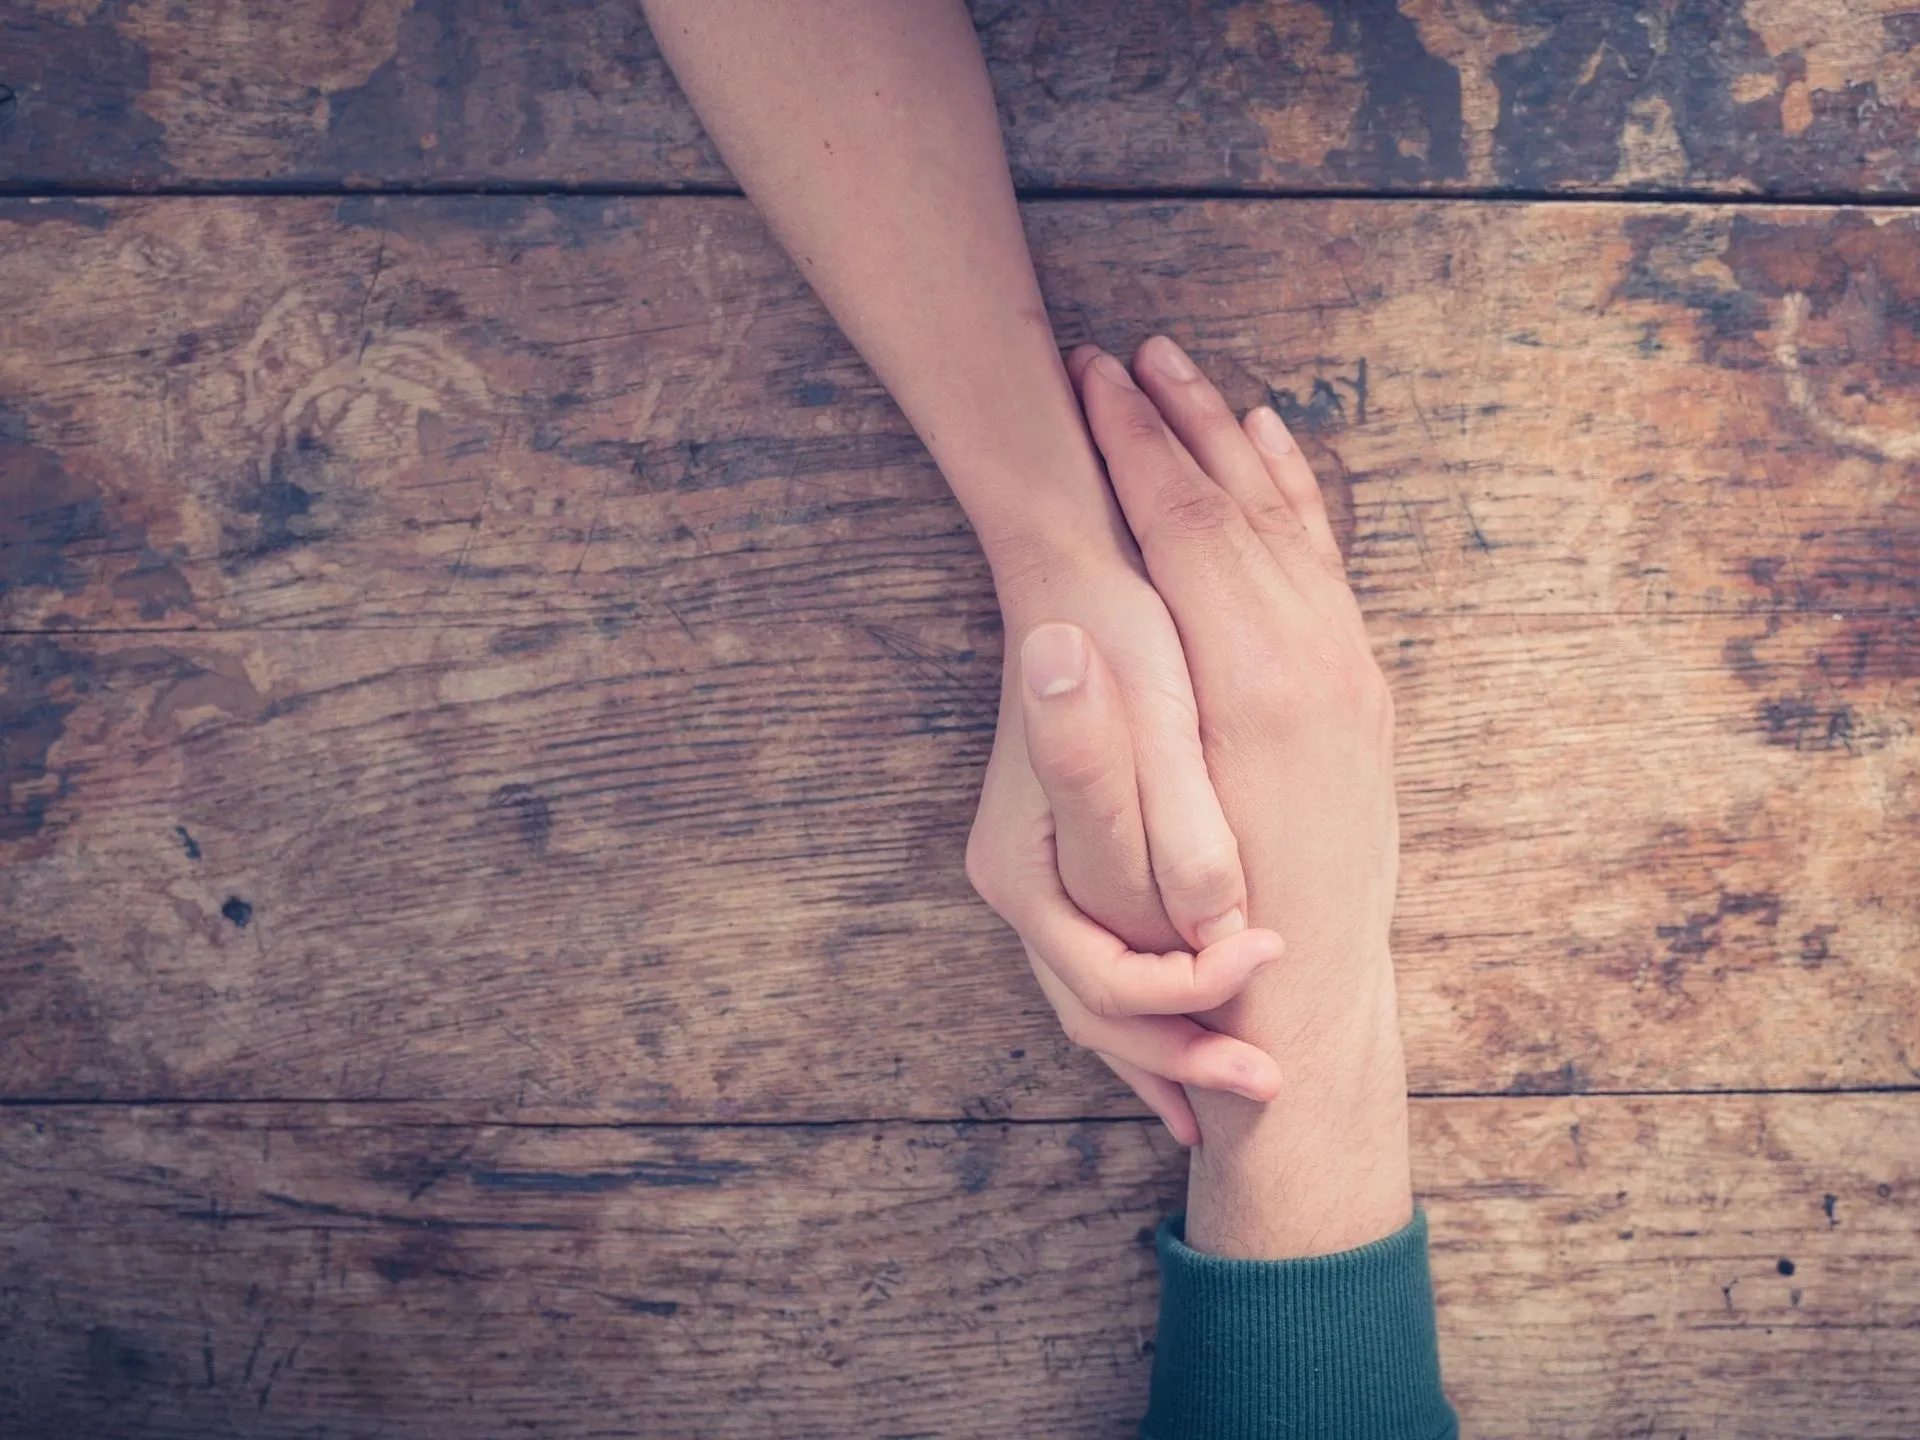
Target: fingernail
pixel 1114 370
pixel 1170 360
pixel 1270 433
pixel 1207 932
pixel 1054 660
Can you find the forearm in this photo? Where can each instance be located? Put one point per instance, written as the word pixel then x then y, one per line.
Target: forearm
pixel 1298 1299
pixel 1324 1167
pixel 865 132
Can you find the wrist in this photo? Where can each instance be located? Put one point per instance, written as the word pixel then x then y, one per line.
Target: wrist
pixel 1066 541
pixel 1040 505
pixel 1323 1167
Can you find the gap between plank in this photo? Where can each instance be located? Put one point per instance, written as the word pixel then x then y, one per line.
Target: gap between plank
pixel 537 189
pixel 583 618
pixel 853 1122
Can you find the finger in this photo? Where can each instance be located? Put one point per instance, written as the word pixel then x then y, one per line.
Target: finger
pixel 1169 1046
pixel 1112 980
pixel 1294 479
pixel 1162 1096
pixel 1190 531
pixel 1197 414
pixel 1199 553
pixel 1193 850
pixel 1080 745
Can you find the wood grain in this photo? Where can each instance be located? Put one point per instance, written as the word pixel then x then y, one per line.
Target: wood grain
pixel 507 411
pixel 1603 1267
pixel 515 601
pixel 1775 97
pixel 502 662
pixel 630 871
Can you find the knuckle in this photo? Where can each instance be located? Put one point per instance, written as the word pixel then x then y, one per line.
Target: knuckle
pixel 1275 686
pixel 1268 515
pixel 1079 764
pixel 1353 677
pixel 1211 870
pixel 1103 1002
pixel 1137 424
pixel 1190 507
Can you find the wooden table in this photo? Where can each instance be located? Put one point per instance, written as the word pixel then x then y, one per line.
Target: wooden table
pixel 494 695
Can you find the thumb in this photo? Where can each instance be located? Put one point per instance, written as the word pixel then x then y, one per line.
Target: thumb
pixel 1080 748
pixel 1078 740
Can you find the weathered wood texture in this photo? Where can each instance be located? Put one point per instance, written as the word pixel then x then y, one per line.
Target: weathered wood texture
pixel 1779 97
pixel 505 411
pixel 509 598
pixel 1710 1266
pixel 644 875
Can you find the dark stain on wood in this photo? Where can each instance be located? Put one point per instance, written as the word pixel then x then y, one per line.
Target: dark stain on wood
pixel 46 512
pixel 1567 1079
pixel 77 89
pixel 523 815
pixel 1530 95
pixel 1690 942
pixel 1832 699
pixel 1406 132
pixel 282 501
pixel 636 1306
pixel 123 1362
pixel 44 681
pixel 52 210
pixel 676 1174
pixel 419 1254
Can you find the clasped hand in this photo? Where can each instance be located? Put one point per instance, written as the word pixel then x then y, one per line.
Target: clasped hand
pixel 1192 770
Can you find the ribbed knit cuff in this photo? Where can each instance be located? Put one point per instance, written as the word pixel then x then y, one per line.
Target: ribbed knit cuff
pixel 1333 1347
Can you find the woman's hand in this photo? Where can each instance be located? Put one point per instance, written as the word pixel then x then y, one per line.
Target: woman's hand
pixel 868 137
pixel 1099 837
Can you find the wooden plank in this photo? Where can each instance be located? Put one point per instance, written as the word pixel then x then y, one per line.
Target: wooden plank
pixel 1778 97
pixel 1603 1267
pixel 510 411
pixel 630 871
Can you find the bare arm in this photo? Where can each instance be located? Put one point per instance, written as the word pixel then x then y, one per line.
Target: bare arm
pixel 865 132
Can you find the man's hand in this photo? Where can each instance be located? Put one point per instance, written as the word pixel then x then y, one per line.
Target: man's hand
pixel 1296 725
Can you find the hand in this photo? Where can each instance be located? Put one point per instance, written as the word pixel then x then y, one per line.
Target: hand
pixel 1296 724
pixel 1131 828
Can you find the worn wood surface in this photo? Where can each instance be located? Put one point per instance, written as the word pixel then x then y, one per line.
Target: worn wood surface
pixel 376 567
pixel 504 659
pixel 509 411
pixel 1777 97
pixel 1604 1267
pixel 625 869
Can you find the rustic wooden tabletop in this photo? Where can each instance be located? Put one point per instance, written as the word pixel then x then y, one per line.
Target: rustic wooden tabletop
pixel 494 694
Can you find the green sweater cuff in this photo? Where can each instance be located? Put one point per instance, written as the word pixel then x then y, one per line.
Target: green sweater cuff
pixel 1336 1347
